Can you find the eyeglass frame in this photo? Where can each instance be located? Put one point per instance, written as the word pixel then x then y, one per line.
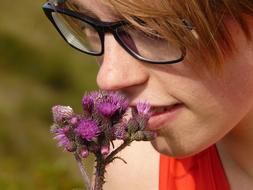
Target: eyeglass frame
pixel 102 28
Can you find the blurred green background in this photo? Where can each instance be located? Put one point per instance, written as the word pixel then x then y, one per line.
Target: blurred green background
pixel 37 70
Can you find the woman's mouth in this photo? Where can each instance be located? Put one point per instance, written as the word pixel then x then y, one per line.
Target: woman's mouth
pixel 162 115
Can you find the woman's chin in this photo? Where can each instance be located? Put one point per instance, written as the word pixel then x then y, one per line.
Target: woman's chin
pixel 175 150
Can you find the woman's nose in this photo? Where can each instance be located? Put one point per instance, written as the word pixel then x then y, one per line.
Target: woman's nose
pixel 118 69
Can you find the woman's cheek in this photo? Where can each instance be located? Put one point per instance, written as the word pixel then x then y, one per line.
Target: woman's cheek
pixel 192 132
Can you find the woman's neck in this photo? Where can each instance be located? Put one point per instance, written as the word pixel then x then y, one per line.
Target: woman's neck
pixel 236 153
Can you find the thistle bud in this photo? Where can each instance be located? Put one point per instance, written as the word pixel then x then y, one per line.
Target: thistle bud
pixel 83 152
pixel 61 113
pixel 143 109
pixel 142 121
pixel 105 149
pixel 133 126
pixel 144 135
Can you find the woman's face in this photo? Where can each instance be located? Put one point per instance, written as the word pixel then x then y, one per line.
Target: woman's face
pixel 211 105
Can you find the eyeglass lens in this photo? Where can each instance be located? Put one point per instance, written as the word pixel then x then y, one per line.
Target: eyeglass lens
pixel 148 46
pixel 84 36
pixel 78 33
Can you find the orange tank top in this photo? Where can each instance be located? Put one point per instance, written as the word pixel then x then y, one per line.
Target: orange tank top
pixel 203 171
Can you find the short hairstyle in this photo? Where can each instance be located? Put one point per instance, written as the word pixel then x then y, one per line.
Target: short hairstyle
pixel 206 16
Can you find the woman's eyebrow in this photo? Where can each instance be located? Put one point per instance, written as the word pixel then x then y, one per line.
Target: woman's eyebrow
pixel 89 12
pixel 82 9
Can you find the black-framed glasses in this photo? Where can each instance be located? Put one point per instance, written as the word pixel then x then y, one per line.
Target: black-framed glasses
pixel 87 35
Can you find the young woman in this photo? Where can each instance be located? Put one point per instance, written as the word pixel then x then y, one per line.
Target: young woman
pixel 193 61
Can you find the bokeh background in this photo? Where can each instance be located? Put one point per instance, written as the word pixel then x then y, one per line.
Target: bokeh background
pixel 37 70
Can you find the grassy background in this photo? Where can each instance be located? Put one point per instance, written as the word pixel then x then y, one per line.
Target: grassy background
pixel 37 70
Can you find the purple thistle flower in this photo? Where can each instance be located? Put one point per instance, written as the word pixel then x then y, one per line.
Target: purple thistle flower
pixel 89 100
pixel 143 109
pixel 120 101
pixel 110 104
pixel 61 137
pixel 88 129
pixel 106 109
pixel 60 113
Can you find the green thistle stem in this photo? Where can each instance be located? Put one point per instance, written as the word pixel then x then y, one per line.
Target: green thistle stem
pixel 83 172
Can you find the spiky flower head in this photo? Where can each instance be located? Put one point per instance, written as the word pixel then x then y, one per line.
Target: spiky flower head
pixel 61 113
pixel 120 101
pixel 61 135
pixel 88 129
pixel 89 99
pixel 107 104
pixel 106 109
pixel 143 109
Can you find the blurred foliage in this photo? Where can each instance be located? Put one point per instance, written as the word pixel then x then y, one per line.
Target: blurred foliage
pixel 37 70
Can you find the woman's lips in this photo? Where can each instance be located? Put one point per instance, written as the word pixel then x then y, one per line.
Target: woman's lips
pixel 159 119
